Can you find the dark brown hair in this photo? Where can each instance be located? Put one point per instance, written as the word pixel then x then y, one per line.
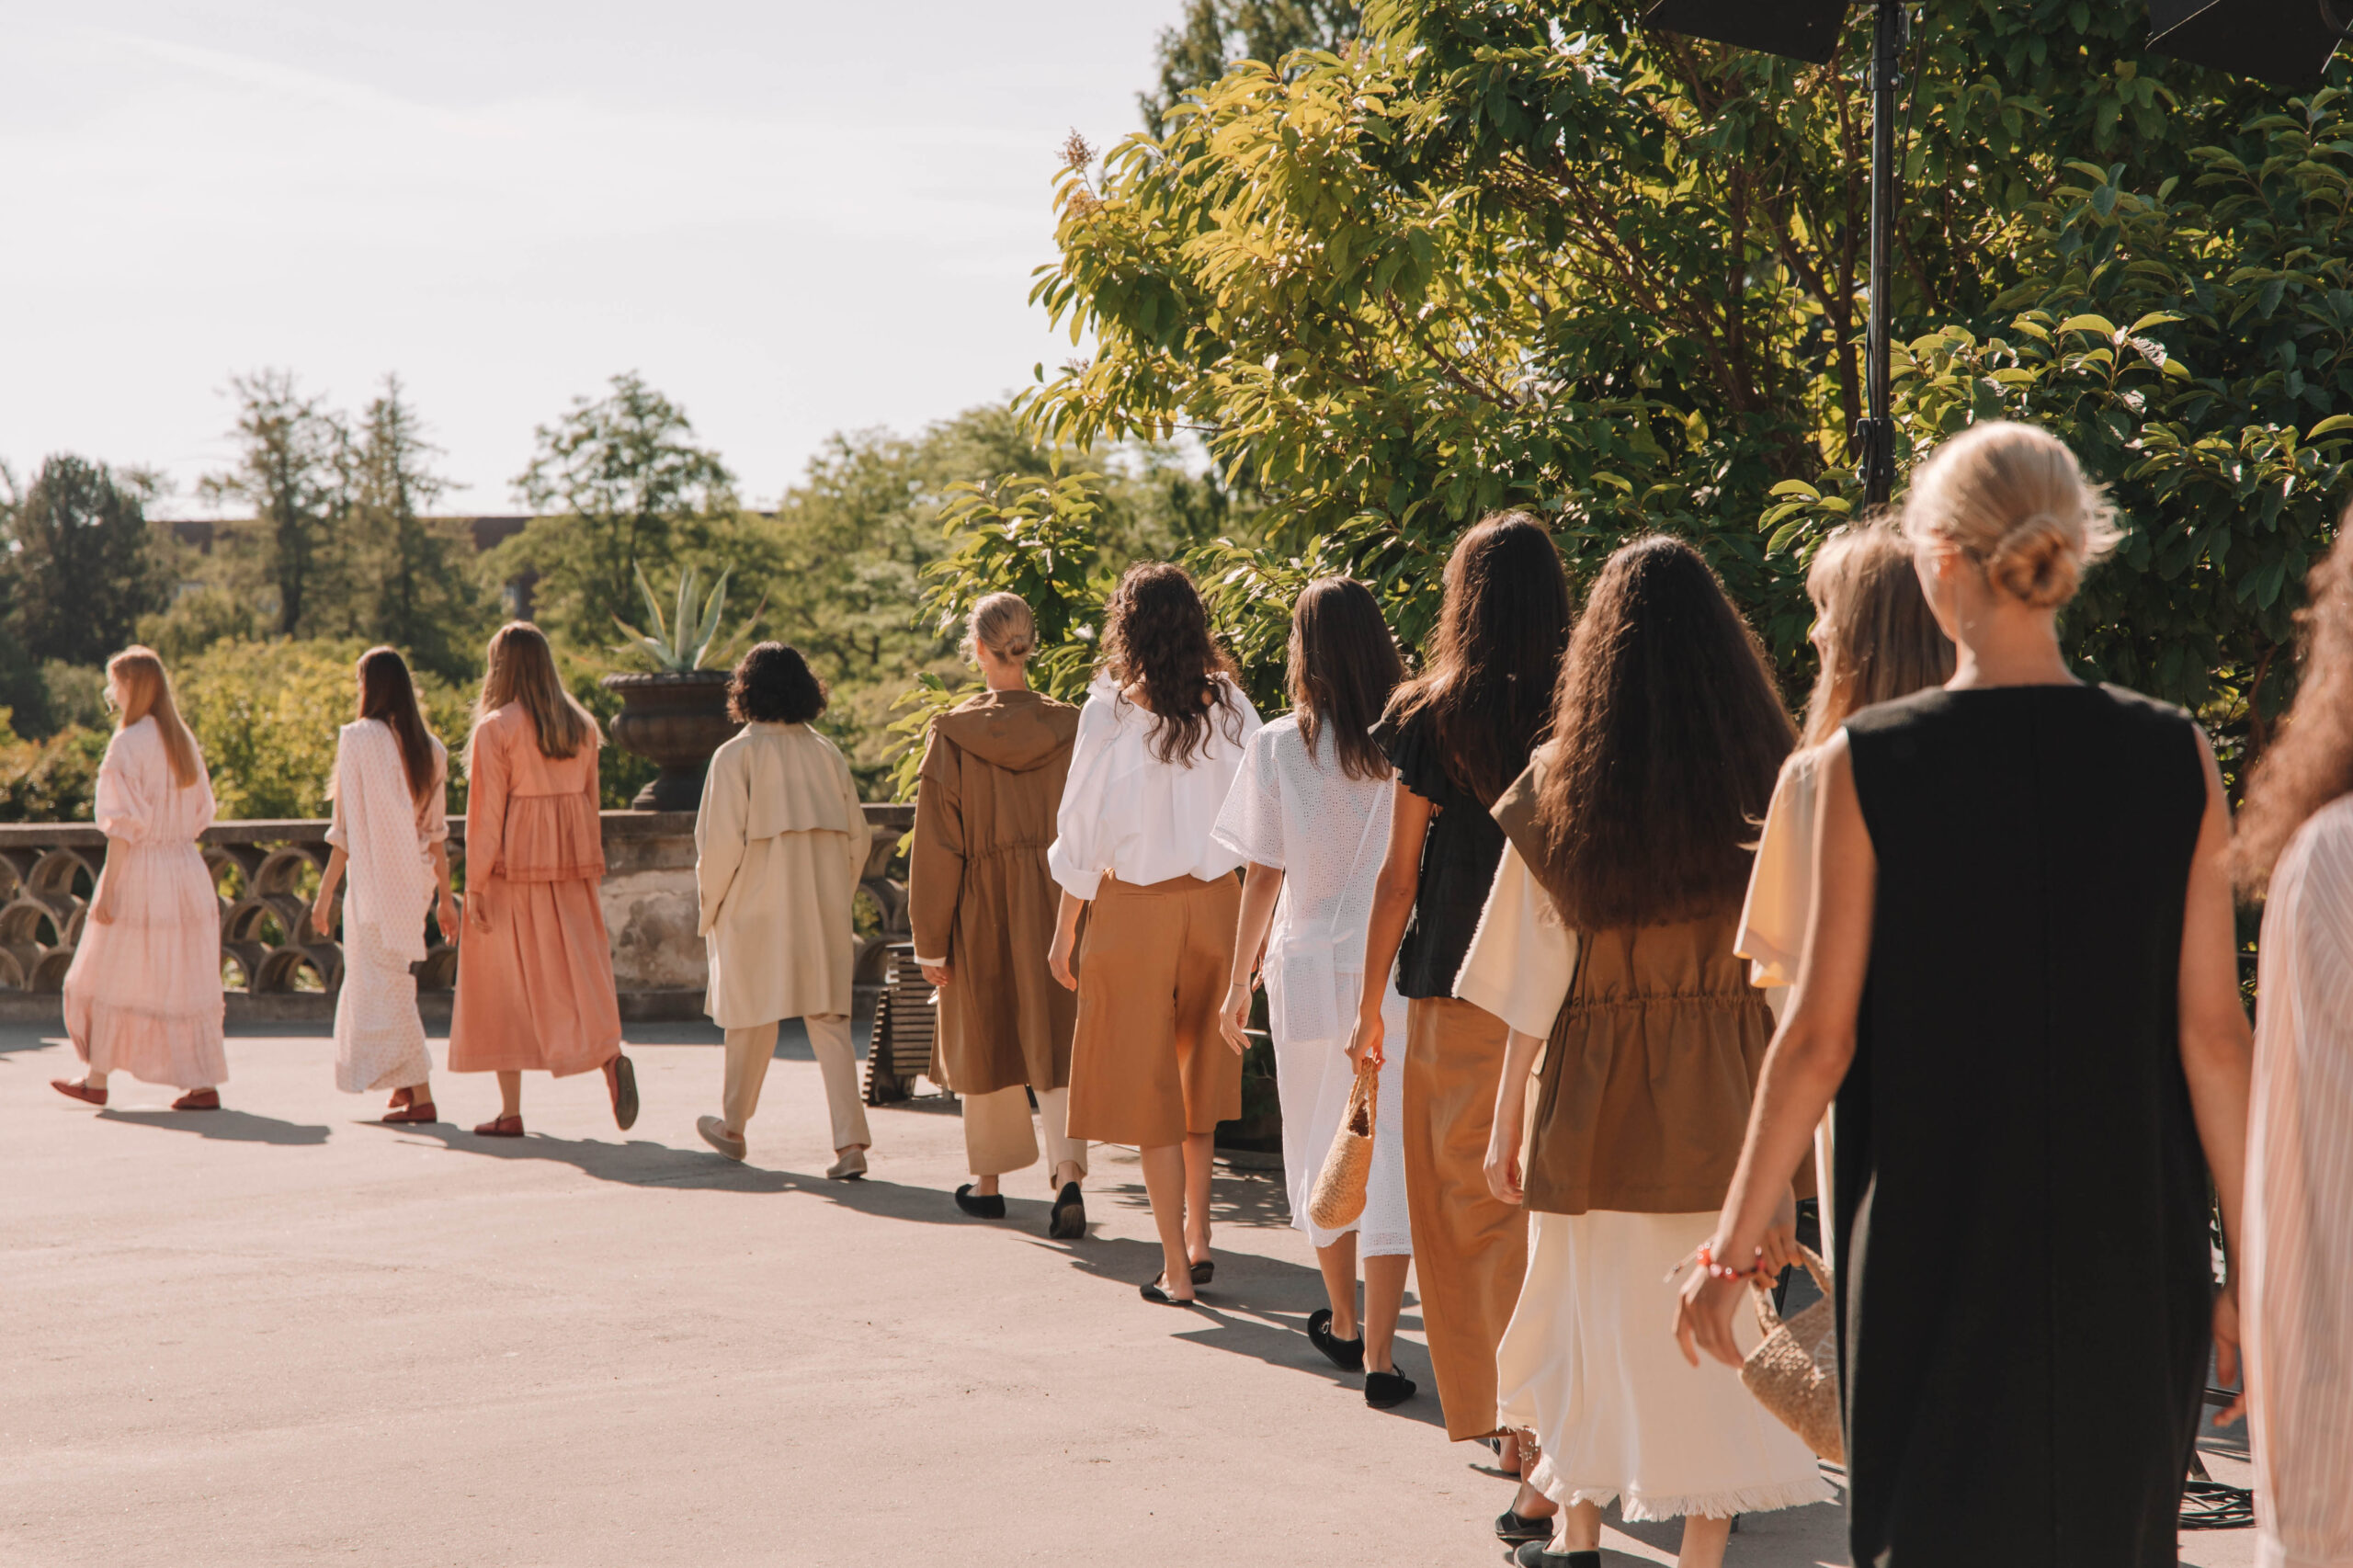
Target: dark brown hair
pixel 1344 665
pixel 1884 640
pixel 2312 763
pixel 1156 638
pixel 520 667
pixel 1487 684
pixel 773 684
pixel 1666 738
pixel 387 694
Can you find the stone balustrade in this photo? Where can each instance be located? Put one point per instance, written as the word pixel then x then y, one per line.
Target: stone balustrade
pixel 276 965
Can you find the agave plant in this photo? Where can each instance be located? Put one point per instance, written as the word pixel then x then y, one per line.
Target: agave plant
pixel 678 644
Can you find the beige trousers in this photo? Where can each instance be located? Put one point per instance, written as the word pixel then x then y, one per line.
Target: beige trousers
pixel 749 1051
pixel 997 1135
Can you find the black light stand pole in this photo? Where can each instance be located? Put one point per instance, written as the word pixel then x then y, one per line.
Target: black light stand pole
pixel 1877 431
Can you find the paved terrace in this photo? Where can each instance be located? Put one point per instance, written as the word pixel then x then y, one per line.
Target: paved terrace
pixel 282 1333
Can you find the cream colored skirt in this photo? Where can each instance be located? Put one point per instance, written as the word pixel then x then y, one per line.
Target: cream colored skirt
pixel 1589 1361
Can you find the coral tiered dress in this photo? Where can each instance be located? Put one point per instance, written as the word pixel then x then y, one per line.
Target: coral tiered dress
pixel 143 996
pixel 535 991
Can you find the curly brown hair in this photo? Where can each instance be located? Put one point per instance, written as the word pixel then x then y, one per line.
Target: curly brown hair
pixel 1156 642
pixel 772 684
pixel 1667 734
pixel 2311 762
pixel 1487 684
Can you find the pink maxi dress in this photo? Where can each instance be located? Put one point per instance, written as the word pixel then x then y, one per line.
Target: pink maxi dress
pixel 535 992
pixel 142 994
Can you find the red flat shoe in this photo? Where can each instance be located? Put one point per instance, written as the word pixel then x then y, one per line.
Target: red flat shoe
pixel 411 1112
pixel 83 1091
pixel 499 1126
pixel 198 1099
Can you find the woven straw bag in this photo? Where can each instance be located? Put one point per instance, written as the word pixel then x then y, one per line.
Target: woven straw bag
pixel 1794 1372
pixel 1338 1197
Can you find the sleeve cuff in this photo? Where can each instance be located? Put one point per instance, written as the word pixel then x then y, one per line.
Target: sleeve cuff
pixel 923 962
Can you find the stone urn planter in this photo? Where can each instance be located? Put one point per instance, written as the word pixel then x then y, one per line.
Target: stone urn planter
pixel 676 721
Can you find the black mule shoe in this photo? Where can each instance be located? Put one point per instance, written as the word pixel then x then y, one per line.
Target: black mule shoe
pixel 1158 1293
pixel 1517 1528
pixel 1204 1271
pixel 1387 1391
pixel 1540 1554
pixel 1067 1223
pixel 1346 1354
pixel 992 1207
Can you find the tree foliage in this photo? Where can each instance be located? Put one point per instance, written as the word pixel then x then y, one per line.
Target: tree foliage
pixel 416 590
pixel 290 473
pixel 1217 35
pixel 82 567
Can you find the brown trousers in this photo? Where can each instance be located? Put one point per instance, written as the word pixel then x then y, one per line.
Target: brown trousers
pixel 1147 1064
pixel 1469 1249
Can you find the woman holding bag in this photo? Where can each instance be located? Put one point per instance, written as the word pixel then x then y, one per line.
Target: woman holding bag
pixel 1309 813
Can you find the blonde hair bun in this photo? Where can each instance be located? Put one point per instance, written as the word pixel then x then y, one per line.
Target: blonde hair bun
pixel 1002 623
pixel 2013 499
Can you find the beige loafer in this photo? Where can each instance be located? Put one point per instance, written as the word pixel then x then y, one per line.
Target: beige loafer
pixel 849 1167
pixel 714 1132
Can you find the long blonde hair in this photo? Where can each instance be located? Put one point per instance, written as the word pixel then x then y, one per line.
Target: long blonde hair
pixel 147 694
pixel 520 667
pixel 1884 641
pixel 2013 499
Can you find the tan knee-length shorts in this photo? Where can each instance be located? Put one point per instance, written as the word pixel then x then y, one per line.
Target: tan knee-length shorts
pixel 1147 1064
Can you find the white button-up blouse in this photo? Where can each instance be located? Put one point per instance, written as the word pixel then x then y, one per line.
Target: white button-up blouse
pixel 1128 813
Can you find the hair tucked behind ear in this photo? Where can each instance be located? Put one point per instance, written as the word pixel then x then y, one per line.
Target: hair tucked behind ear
pixel 2013 499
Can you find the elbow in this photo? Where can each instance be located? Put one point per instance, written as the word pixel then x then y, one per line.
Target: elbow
pixel 1817 1056
pixel 2222 1044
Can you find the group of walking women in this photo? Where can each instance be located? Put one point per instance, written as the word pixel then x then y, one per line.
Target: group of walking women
pixel 1633 970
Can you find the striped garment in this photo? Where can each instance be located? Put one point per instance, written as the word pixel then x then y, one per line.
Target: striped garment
pixel 2297 1287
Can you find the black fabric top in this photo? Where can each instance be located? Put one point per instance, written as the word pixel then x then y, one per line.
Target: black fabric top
pixel 1459 859
pixel 2020 1193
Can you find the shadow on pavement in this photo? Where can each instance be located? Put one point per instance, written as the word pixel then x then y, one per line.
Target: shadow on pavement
pixel 225 1124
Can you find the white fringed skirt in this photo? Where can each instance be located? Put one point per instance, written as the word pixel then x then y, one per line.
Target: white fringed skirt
pixel 1589 1363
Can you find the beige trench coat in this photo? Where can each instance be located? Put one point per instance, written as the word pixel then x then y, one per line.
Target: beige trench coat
pixel 980 896
pixel 779 844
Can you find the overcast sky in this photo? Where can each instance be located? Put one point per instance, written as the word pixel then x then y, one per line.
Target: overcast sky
pixel 792 217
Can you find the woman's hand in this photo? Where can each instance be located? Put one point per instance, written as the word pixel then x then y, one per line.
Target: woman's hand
pixel 322 914
pixel 1780 1243
pixel 934 974
pixel 2226 1351
pixel 1365 1040
pixel 1058 957
pixel 478 908
pixel 1703 1312
pixel 445 917
pixel 1234 1019
pixel 1503 1166
pixel 102 901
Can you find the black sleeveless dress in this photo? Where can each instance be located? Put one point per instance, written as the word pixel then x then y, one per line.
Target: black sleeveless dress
pixel 2021 1196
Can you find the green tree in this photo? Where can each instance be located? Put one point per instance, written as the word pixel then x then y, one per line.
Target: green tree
pixel 86 564
pixel 293 473
pixel 620 483
pixel 419 596
pixel 1217 35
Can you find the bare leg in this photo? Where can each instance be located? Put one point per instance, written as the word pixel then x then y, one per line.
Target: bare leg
pixel 1578 1528
pixel 1338 1263
pixel 510 1093
pixel 1704 1541
pixel 1198 1154
pixel 984 1187
pixel 1065 1173
pixel 1384 1297
pixel 1528 1502
pixel 93 1079
pixel 1165 1172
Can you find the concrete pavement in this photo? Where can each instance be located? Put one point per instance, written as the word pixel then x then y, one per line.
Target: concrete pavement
pixel 283 1334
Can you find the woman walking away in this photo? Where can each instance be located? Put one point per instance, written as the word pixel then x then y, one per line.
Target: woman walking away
pixel 982 901
pixel 143 993
pixel 1608 947
pixel 392 830
pixel 2020 984
pixel 1159 741
pixel 1876 642
pixel 779 845
pixel 1458 734
pixel 2297 836
pixel 1309 812
pixel 535 966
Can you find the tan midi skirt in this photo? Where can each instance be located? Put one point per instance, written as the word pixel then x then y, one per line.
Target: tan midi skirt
pixel 1147 1064
pixel 1469 1249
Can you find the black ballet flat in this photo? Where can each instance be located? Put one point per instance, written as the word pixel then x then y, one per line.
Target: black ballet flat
pixel 1158 1293
pixel 1540 1554
pixel 1204 1271
pixel 1346 1354
pixel 1517 1528
pixel 1067 1223
pixel 991 1207
pixel 1387 1391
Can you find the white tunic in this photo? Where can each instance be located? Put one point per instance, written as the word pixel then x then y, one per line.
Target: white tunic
pixel 2297 1286
pixel 387 836
pixel 1127 812
pixel 1328 834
